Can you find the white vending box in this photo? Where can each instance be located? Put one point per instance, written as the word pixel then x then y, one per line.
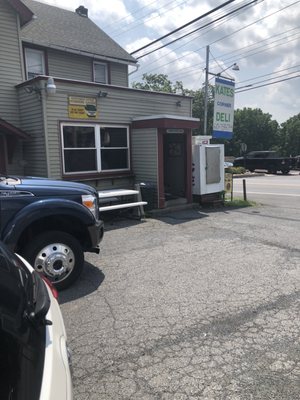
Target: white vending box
pixel 208 168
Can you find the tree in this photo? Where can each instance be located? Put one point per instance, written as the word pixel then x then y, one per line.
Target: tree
pixel 290 136
pixel 158 83
pixel 256 129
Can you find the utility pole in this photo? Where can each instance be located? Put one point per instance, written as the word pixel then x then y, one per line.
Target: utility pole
pixel 206 92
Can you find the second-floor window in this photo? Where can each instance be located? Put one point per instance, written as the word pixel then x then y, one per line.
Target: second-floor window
pixel 100 72
pixel 35 62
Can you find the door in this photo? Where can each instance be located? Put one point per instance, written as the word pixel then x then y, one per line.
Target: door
pixel 2 155
pixel 174 165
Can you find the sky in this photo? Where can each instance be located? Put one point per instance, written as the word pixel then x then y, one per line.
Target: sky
pixel 262 38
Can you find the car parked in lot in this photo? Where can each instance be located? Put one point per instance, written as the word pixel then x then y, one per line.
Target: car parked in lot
pixel 34 362
pixel 51 223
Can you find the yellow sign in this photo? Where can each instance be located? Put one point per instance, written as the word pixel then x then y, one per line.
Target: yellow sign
pixel 228 182
pixel 82 107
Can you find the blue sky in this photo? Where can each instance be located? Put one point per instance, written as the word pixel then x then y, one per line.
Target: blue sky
pixel 263 39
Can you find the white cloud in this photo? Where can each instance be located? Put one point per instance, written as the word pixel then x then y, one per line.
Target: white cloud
pixel 231 40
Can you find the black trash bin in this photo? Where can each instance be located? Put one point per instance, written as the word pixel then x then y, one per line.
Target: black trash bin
pixel 148 191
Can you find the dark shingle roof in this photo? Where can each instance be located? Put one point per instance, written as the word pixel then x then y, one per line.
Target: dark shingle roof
pixel 66 30
pixel 24 12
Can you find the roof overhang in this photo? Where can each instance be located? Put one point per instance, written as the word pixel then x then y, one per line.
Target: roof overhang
pixel 165 121
pixel 9 129
pixel 24 12
pixel 79 52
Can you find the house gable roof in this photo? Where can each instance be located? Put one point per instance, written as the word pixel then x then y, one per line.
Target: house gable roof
pixel 67 31
pixel 23 11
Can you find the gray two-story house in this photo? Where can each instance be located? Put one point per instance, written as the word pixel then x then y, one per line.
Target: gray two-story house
pixel 66 110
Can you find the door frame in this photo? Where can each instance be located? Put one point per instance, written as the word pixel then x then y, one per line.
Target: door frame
pixel 3 154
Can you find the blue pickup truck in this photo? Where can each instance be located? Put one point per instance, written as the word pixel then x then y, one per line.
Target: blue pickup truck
pixel 50 223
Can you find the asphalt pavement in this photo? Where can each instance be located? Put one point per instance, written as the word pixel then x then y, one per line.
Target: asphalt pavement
pixel 196 304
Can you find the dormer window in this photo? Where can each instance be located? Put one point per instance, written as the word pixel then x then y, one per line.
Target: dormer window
pixel 100 72
pixel 35 62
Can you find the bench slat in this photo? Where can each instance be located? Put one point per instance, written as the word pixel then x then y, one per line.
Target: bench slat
pixel 124 205
pixel 117 192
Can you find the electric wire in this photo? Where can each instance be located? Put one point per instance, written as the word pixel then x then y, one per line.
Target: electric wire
pixel 207 30
pixel 146 20
pixel 183 26
pixel 267 84
pixel 197 29
pixel 252 23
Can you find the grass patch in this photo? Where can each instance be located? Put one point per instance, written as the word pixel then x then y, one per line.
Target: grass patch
pixel 239 203
pixel 236 170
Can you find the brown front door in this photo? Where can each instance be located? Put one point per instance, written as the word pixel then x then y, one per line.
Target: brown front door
pixel 2 155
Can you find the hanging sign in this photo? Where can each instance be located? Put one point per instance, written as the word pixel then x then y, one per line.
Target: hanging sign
pixel 82 107
pixel 223 109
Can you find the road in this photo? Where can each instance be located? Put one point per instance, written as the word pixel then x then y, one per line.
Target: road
pixel 276 190
pixel 198 304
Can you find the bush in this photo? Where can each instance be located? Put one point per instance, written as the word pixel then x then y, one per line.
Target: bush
pixel 235 170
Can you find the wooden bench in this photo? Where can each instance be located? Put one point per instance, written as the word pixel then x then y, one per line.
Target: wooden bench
pixel 107 196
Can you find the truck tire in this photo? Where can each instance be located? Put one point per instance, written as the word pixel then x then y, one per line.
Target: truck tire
pixel 272 170
pixel 285 171
pixel 57 255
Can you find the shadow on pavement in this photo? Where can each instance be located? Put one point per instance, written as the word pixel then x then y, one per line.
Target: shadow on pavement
pixel 88 282
pixel 180 217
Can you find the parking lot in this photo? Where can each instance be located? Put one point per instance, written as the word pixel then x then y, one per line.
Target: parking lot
pixel 198 304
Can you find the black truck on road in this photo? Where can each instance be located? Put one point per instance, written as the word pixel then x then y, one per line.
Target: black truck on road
pixel 50 223
pixel 265 160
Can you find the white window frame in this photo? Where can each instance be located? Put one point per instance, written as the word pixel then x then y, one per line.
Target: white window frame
pixel 106 71
pixel 36 51
pixel 98 147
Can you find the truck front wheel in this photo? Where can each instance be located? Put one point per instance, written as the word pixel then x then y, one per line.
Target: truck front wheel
pixel 57 255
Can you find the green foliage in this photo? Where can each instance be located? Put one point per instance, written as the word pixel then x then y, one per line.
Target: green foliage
pixel 239 203
pixel 290 136
pixel 255 128
pixel 235 170
pixel 158 83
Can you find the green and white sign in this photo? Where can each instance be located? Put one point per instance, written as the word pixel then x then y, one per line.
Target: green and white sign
pixel 223 109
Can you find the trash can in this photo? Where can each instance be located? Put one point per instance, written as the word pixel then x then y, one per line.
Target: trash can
pixel 148 191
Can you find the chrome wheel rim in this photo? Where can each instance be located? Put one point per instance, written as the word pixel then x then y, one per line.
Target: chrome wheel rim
pixel 56 261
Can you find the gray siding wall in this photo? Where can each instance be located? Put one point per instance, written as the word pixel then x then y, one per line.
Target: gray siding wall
pixel 10 64
pixel 144 155
pixel 119 107
pixel 119 74
pixel 10 75
pixel 77 67
pixel 31 112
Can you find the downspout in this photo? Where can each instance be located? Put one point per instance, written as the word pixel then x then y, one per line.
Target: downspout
pixel 45 125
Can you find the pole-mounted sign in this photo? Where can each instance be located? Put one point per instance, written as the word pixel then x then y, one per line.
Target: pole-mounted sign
pixel 223 109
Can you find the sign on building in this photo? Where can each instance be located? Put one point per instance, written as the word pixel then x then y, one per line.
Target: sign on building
pixel 82 107
pixel 223 109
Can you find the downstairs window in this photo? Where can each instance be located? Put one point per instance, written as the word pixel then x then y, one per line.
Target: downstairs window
pixel 94 148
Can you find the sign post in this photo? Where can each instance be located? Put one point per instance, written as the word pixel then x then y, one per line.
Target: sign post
pixel 223 109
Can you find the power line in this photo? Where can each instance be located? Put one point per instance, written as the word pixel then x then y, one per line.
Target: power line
pixel 184 26
pixel 195 30
pixel 253 23
pixel 188 42
pixel 147 19
pixel 266 80
pixel 268 84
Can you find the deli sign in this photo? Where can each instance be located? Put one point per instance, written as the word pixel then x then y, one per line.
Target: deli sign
pixel 223 109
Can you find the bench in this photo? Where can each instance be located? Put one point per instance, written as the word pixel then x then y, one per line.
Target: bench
pixel 107 196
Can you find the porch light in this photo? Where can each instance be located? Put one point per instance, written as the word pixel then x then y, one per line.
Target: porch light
pixel 50 88
pixel 102 94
